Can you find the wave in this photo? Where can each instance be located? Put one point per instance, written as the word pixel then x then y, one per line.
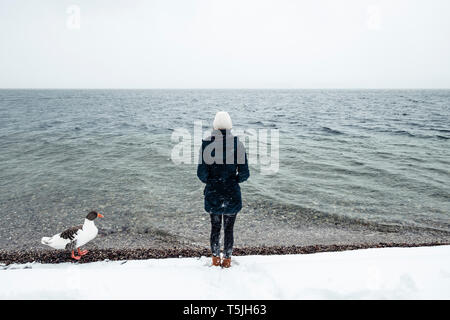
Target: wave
pixel 260 123
pixel 303 215
pixel 332 131
pixel 412 135
pixel 402 132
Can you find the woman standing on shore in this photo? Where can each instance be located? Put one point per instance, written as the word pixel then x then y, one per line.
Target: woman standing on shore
pixel 222 166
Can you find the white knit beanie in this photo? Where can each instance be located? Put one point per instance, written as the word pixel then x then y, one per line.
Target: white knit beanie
pixel 222 121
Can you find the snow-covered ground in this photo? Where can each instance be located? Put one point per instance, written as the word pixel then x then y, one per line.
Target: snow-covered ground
pixel 389 273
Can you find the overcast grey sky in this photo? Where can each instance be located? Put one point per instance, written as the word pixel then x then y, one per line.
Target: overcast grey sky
pixel 225 44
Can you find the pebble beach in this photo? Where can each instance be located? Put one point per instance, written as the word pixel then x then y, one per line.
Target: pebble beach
pixel 357 168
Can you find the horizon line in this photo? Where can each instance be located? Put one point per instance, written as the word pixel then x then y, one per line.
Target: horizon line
pixel 262 88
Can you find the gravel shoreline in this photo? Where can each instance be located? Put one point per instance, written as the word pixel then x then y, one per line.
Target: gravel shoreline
pixel 57 256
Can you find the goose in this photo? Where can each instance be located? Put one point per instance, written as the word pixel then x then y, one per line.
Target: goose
pixel 75 237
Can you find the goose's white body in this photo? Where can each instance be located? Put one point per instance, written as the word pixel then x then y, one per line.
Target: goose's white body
pixel 81 237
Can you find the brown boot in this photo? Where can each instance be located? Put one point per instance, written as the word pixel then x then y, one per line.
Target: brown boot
pixel 216 261
pixel 226 262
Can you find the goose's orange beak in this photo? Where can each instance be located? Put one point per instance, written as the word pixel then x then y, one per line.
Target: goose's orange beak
pixel 100 215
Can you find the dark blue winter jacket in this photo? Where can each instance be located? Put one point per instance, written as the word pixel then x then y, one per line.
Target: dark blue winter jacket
pixel 222 166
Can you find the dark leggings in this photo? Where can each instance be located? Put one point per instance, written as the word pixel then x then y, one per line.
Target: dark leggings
pixel 216 224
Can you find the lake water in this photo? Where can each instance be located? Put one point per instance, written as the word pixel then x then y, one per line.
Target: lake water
pixel 377 157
